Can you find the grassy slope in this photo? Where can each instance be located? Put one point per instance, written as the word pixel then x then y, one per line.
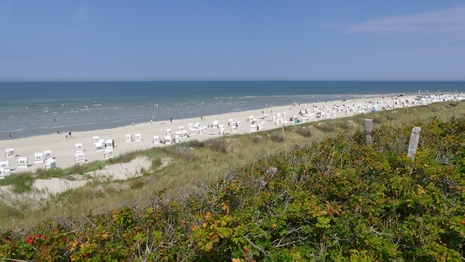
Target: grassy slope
pixel 190 170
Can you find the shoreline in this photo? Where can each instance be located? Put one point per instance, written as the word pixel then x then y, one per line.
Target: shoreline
pixel 67 121
pixel 63 149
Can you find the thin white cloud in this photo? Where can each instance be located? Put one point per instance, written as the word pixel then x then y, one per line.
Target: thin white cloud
pixel 449 20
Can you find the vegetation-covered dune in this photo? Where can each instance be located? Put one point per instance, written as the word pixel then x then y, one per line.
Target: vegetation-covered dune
pixel 298 197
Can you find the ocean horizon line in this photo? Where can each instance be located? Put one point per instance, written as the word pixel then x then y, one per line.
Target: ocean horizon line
pixel 225 80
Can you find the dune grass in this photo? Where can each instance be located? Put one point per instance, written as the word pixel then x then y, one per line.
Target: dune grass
pixel 182 167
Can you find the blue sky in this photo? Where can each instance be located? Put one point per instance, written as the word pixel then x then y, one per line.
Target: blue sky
pixel 232 40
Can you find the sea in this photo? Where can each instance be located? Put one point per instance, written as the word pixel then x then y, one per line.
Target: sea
pixel 38 108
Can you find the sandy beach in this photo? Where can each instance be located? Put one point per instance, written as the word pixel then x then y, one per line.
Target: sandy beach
pixel 63 148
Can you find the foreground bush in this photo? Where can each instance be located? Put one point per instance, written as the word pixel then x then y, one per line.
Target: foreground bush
pixel 337 200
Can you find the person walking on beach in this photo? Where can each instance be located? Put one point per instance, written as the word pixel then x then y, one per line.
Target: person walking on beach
pixel 133 124
pixel 9 135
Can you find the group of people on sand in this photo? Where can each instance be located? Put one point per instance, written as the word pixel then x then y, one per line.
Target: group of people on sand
pixel 67 135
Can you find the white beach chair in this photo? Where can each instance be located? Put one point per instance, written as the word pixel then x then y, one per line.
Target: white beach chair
pixel 5 165
pixel 128 138
pixel 95 139
pixel 50 164
pixel 79 147
pixel 193 131
pixel 253 128
pixel 138 137
pixel 79 157
pixel 108 143
pixel 108 153
pixel 168 132
pixel 39 157
pixel 47 154
pixel 184 133
pixel 22 162
pixel 179 134
pixel 168 140
pixel 180 128
pixel 99 146
pixel 215 124
pixel 156 139
pixel 176 139
pixel 9 152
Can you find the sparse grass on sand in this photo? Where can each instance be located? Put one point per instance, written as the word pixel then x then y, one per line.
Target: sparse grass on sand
pixel 180 168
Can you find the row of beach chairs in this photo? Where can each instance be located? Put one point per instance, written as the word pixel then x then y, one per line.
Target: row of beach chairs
pixel 104 145
pixel 107 145
pixel 44 157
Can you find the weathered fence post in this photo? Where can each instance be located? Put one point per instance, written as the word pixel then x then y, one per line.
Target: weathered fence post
pixel 368 129
pixel 414 138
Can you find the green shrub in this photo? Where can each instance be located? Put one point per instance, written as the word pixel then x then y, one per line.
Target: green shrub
pixel 123 158
pixel 78 169
pixel 277 136
pixel 10 212
pixel 218 144
pixel 21 182
pixel 390 116
pixel 51 173
pixel 344 125
pixel 93 166
pixel 256 139
pixel 156 163
pixel 325 127
pixel 303 131
pixel 195 144
pixel 377 120
pixel 182 152
pixel 136 183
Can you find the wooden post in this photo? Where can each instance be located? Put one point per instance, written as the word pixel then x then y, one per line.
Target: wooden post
pixel 368 130
pixel 414 138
